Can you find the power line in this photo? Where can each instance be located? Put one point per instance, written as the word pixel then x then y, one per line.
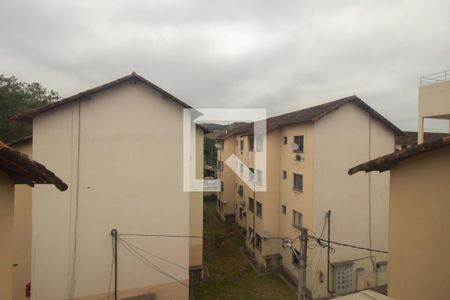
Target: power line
pixel 345 245
pixel 163 235
pixel 149 264
pixel 154 255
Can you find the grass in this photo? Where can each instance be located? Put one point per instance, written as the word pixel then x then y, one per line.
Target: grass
pixel 231 276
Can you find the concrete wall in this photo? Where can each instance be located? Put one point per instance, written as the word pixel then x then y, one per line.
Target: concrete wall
pixel 434 100
pixel 120 153
pixel 418 233
pixel 22 233
pixel 358 203
pixel 6 236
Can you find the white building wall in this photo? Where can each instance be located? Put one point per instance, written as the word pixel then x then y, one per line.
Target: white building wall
pixel 344 138
pixel 128 158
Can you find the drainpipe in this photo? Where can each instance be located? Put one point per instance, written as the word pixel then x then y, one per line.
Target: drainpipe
pixel 330 290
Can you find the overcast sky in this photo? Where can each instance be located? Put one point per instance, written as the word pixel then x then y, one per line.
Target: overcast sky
pixel 280 55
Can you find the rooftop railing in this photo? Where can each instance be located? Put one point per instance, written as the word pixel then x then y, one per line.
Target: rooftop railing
pixel 435 78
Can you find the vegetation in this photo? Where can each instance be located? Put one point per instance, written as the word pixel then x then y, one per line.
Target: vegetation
pixel 16 97
pixel 231 276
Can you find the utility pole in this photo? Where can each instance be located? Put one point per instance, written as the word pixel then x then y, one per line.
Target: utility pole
pixel 301 292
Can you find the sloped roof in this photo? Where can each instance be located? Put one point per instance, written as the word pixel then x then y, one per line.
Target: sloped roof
pixel 133 77
pixel 23 170
pixel 410 137
pixel 312 114
pixel 385 162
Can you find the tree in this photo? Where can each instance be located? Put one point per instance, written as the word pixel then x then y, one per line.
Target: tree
pixel 16 97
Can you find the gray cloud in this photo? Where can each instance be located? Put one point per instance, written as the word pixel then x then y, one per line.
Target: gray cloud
pixel 282 55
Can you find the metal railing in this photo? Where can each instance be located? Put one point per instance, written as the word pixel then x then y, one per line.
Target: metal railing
pixel 435 78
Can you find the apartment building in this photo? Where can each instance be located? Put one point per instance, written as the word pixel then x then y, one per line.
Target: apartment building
pixel 120 148
pixel 418 222
pixel 308 154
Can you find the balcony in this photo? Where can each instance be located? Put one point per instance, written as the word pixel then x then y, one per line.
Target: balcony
pixel 434 99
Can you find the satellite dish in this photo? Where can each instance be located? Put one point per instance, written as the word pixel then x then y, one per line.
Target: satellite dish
pixel 294 146
pixel 217 145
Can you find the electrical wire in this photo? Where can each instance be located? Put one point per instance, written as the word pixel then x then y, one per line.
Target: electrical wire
pixel 154 255
pixel 346 245
pixel 149 264
pixel 162 235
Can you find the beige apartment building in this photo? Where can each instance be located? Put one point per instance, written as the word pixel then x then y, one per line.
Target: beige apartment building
pixel 16 168
pixel 308 154
pixel 120 148
pixel 418 224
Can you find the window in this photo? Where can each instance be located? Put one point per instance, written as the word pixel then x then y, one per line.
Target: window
pixel 249 233
pixel 221 186
pixel 241 169
pixel 241 213
pixel 259 143
pixel 285 140
pixel 258 176
pixel 241 145
pixel 283 209
pixel 258 242
pixel 251 174
pixel 298 140
pixel 220 165
pixel 241 190
pixel 298 182
pixel 258 209
pixel 297 219
pixel 284 174
pixel 251 142
pixel 251 204
pixel 295 257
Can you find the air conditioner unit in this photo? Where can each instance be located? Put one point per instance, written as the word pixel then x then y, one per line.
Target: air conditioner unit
pixel 266 234
pixel 298 157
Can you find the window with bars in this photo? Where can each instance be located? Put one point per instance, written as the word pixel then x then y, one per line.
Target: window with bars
pixel 241 190
pixel 251 204
pixel 298 182
pixel 299 141
pixel 258 209
pixel 297 219
pixel 258 242
pixel 283 209
pixel 284 174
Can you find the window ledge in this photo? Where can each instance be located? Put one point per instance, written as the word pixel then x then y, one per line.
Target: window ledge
pixel 297 190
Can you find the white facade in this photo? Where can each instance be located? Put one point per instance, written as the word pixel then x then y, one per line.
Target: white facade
pixel 121 154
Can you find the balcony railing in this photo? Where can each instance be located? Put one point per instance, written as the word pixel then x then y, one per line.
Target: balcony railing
pixel 435 78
